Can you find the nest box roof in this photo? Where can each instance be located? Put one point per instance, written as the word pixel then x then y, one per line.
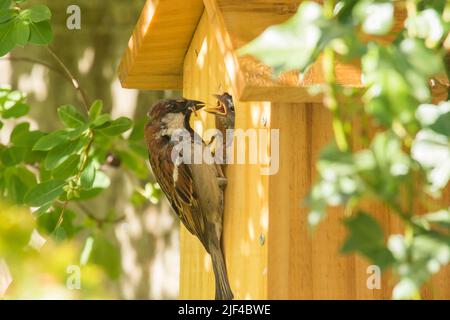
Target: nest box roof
pixel 156 51
pixel 155 54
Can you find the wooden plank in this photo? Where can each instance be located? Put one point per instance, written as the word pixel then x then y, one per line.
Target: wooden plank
pixel 290 242
pixel 160 39
pixel 146 82
pixel 246 199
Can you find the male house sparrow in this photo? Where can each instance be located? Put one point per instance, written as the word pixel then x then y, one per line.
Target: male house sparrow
pixel 192 189
pixel 225 120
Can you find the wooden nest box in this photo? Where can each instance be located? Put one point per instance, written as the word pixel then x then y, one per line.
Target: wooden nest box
pixel 190 45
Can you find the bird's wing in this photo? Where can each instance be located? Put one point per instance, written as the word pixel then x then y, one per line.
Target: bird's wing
pixel 176 182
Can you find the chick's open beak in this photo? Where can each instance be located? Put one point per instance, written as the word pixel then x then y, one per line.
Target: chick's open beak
pixel 219 109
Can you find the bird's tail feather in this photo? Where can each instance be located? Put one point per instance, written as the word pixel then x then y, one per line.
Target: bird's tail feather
pixel 223 289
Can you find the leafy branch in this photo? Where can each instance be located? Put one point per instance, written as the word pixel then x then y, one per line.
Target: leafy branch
pixel 409 155
pixel 55 172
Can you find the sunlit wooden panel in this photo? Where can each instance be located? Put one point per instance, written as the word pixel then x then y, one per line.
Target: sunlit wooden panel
pixel 155 53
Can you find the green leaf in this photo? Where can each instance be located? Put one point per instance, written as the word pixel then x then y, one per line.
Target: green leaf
pixel 18 181
pixel 19 132
pixel 36 13
pixel 101 182
pixel 55 139
pixel 427 25
pixel 13 155
pixel 7 38
pixel 417 259
pixel 17 111
pixel 421 58
pixel 26 176
pixel 70 116
pixel 43 210
pixel 106 254
pixel 138 130
pixel 7 15
pixel 5 4
pixel 377 18
pixel 427 114
pixel 68 168
pixel 432 151
pixel 390 158
pixel 406 289
pixel 442 124
pixel 16 189
pixel 366 237
pixel 117 127
pixel 41 33
pixel 101 122
pixel 21 32
pixel 61 153
pixel 395 85
pixel 88 175
pixel 435 117
pixel 59 234
pixel 441 217
pixel 8 98
pixel 293 44
pixel 21 136
pixel 44 193
pixel 95 110
pixel 47 224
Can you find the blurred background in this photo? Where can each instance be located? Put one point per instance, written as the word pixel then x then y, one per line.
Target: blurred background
pixel 133 257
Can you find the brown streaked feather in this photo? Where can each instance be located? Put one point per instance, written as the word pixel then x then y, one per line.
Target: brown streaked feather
pixel 180 193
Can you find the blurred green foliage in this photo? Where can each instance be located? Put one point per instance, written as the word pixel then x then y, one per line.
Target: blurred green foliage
pixel 42 271
pixel 45 177
pixel 408 156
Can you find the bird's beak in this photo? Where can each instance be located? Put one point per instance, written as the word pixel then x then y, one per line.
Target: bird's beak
pixel 197 106
pixel 220 109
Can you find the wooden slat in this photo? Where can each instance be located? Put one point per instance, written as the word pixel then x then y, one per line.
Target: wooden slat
pixel 290 242
pixel 155 54
pixel 146 82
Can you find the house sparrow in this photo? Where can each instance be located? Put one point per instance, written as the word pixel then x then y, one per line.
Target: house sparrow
pixel 225 120
pixel 192 189
pixel 224 111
